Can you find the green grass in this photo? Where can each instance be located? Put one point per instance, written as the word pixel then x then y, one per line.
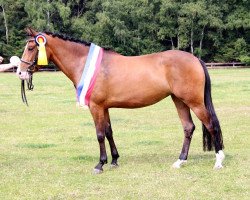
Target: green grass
pixel 48 150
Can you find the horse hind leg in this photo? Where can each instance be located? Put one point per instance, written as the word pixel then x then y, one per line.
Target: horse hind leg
pixel 212 136
pixel 109 136
pixel 188 127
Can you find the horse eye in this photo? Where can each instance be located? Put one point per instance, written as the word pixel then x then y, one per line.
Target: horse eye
pixel 30 48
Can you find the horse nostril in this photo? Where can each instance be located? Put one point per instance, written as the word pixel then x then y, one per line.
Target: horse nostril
pixel 20 73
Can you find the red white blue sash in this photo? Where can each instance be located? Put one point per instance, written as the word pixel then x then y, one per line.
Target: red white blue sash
pixel 91 68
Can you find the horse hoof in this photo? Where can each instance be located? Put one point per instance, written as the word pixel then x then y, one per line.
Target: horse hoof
pixel 114 166
pixel 97 171
pixel 218 166
pixel 179 163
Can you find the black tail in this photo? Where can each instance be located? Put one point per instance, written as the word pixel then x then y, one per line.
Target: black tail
pixel 208 142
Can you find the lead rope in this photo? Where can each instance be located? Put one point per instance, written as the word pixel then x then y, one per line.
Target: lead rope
pixel 30 86
pixel 23 93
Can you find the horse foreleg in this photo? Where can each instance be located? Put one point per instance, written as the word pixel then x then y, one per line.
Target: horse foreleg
pixel 188 126
pixel 109 135
pixel 99 119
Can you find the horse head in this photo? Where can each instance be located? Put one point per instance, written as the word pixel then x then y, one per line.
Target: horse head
pixel 34 55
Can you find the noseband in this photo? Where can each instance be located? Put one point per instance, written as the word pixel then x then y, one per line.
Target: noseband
pixel 32 65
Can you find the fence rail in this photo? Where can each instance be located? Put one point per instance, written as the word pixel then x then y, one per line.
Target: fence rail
pixel 226 65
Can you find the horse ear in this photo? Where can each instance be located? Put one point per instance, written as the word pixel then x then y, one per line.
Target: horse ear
pixel 31 32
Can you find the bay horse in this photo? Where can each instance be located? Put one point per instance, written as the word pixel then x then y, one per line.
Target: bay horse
pixel 134 82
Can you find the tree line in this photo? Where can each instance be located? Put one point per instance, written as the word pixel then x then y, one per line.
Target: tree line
pixel 213 30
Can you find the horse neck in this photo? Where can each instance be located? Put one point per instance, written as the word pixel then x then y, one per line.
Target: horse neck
pixel 70 58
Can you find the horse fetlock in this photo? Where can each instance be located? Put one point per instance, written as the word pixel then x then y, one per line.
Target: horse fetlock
pixel 114 165
pixel 98 168
pixel 114 160
pixel 103 161
pixel 220 156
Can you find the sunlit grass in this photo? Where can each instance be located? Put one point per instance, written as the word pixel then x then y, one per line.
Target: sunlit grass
pixel 48 150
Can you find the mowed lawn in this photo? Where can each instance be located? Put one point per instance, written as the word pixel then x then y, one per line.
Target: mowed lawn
pixel 48 150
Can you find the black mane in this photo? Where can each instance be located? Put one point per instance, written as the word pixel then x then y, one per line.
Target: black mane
pixel 66 38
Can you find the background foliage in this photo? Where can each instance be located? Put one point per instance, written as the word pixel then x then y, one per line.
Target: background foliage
pixel 211 29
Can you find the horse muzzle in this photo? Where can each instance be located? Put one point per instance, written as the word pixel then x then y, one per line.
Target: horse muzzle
pixel 23 75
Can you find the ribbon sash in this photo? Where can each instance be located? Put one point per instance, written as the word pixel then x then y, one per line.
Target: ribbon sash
pixel 91 68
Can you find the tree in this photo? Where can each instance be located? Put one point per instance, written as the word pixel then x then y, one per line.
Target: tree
pixel 2 6
pixel 210 29
pixel 168 20
pixel 13 28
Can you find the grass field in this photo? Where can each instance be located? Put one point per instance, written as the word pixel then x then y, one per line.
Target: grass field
pixel 48 150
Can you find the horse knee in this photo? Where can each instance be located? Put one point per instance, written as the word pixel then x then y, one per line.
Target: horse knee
pixel 188 130
pixel 100 137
